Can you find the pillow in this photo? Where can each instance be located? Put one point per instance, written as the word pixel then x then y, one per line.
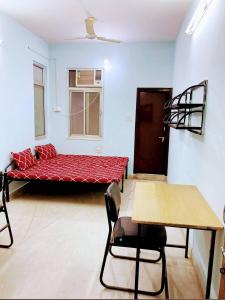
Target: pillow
pixel 24 159
pixel 46 151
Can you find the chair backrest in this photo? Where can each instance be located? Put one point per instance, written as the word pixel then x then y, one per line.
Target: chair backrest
pixel 113 201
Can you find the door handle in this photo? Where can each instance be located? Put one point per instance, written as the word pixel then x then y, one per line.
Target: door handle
pixel 162 138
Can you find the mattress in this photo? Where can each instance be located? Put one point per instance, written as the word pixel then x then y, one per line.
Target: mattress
pixel 76 168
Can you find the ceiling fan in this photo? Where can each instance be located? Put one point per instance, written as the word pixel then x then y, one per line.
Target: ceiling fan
pixel 90 33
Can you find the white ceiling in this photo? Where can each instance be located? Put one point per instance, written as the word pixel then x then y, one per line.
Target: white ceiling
pixel 126 20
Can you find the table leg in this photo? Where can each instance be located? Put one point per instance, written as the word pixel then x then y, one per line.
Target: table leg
pixel 187 242
pixel 137 263
pixel 210 264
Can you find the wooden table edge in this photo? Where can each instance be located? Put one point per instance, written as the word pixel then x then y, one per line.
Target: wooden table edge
pixel 217 228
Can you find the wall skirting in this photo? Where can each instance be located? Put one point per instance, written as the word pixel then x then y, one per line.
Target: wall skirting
pixel 153 177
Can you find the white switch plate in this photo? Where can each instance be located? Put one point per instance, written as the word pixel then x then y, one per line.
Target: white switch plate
pixel 98 150
pixel 57 108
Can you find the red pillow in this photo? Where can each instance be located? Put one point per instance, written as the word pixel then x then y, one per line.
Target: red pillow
pixel 46 151
pixel 24 159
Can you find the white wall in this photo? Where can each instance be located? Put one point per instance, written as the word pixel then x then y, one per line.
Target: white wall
pixel 200 160
pixel 16 87
pixel 133 65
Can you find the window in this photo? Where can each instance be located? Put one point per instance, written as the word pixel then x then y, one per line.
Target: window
pixel 39 100
pixel 85 103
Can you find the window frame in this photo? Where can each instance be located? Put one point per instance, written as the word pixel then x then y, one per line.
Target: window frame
pixel 86 136
pixel 42 84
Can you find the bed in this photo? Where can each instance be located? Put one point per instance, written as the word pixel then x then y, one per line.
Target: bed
pixel 71 168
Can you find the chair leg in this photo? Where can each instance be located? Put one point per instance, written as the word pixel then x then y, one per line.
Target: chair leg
pixel 10 235
pixel 136 273
pixel 167 297
pixel 129 290
pixel 6 187
pixel 186 244
pixel 4 210
pixel 104 261
pixel 102 271
pixel 134 258
pixel 164 280
pixel 162 256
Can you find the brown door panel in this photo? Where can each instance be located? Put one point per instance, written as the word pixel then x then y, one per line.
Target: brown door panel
pixel 151 149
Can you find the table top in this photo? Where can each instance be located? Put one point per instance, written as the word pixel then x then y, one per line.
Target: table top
pixel 172 205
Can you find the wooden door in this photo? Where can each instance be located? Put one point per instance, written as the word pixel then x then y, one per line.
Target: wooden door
pixel 151 135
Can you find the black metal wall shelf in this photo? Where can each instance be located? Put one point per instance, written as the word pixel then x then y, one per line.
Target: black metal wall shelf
pixel 185 105
pixel 184 112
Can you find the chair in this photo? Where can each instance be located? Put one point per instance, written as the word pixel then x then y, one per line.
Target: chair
pixel 124 233
pixel 3 209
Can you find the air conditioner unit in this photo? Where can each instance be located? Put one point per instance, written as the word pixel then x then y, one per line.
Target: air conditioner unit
pixel 85 78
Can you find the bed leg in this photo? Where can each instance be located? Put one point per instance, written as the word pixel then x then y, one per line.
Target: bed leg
pixel 126 171
pixel 122 184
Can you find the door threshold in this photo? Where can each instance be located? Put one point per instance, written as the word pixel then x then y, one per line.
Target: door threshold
pixel 153 177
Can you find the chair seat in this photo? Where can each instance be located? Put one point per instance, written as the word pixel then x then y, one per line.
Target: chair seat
pixel 125 234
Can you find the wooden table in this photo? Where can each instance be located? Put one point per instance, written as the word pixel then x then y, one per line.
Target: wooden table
pixel 177 206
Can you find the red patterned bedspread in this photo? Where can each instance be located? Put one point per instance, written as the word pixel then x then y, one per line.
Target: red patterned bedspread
pixel 77 168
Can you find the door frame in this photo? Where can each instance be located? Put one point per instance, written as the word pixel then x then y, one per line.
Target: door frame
pixel 143 89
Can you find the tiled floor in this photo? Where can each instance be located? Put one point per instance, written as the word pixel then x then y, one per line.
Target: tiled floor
pixel 60 234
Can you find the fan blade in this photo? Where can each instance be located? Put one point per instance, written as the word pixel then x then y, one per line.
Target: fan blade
pixel 75 38
pixel 101 38
pixel 89 22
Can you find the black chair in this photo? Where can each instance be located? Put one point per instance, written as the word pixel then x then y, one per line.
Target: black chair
pixel 3 209
pixel 124 233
